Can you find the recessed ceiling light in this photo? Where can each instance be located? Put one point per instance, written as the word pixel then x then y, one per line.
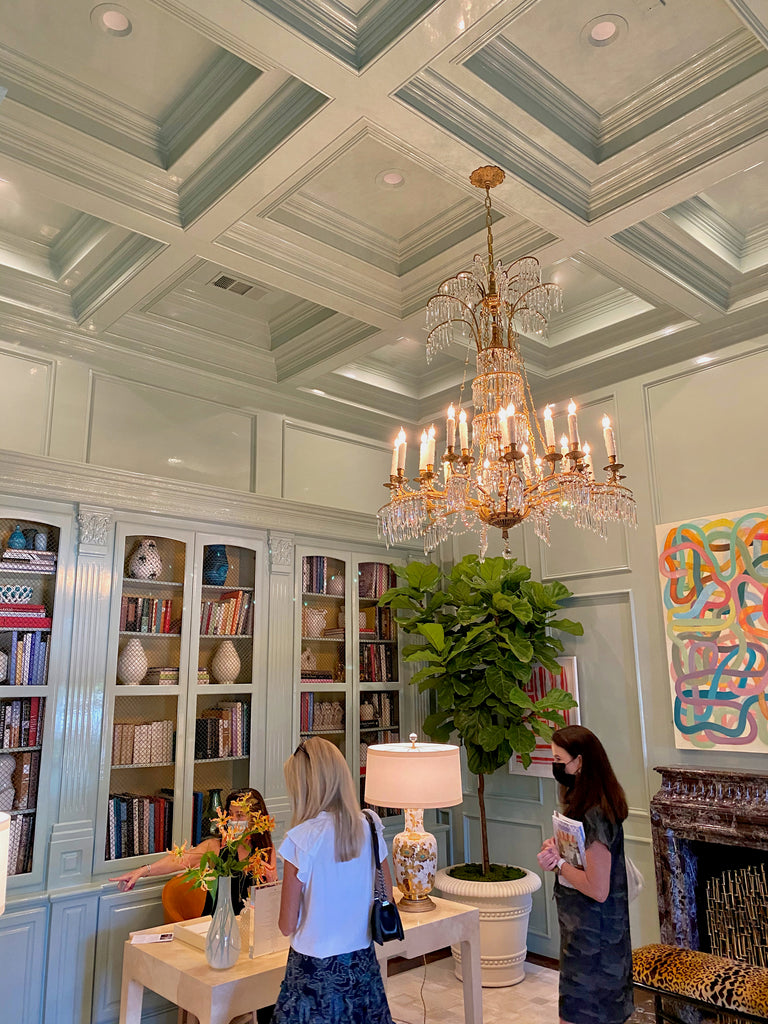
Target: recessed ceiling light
pixel 112 20
pixel 391 178
pixel 316 391
pixel 702 360
pixel 604 30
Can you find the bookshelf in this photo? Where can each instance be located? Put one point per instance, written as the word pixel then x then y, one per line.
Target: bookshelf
pixel 348 687
pixel 180 705
pixel 29 554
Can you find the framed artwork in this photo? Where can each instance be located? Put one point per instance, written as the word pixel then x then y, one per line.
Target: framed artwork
pixel 714 589
pixel 543 680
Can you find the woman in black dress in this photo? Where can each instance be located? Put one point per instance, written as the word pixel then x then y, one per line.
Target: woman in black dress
pixel 592 903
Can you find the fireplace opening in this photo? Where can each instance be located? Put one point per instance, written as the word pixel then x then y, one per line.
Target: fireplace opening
pixel 731 896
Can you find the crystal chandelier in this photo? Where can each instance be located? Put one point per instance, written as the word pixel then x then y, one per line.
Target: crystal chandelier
pixel 509 471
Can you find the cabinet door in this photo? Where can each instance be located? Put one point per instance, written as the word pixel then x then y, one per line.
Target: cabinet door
pixel 227 672
pixel 379 692
pixel 146 694
pixel 32 661
pixel 323 656
pixel 22 963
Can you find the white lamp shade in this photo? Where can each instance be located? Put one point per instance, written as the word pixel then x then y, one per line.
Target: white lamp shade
pixel 5 839
pixel 413 775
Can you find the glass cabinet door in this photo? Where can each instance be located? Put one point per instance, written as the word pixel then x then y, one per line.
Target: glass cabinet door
pixel 223 686
pixel 379 697
pixel 323 684
pixel 146 690
pixel 29 553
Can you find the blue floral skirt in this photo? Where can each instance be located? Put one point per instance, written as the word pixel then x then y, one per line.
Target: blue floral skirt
pixel 343 989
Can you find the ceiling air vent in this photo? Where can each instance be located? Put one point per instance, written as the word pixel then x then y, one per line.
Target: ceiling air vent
pixel 238 286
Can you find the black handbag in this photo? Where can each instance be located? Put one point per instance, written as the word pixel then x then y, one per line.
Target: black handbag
pixel 386 925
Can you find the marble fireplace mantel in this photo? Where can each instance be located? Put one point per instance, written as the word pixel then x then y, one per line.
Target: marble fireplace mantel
pixel 700 805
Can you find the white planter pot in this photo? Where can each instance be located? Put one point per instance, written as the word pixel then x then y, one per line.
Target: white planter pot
pixel 504 911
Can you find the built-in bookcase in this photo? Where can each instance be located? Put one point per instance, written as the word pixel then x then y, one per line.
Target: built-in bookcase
pixel 28 591
pixel 348 686
pixel 184 661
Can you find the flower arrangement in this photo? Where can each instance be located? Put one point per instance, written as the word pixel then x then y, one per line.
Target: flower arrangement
pixel 234 829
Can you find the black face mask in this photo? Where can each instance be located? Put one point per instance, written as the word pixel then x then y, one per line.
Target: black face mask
pixel 562 776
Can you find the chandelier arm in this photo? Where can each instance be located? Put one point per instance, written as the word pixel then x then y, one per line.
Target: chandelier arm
pixel 455 319
pixel 520 298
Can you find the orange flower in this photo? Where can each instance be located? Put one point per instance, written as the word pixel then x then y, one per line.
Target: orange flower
pixel 179 851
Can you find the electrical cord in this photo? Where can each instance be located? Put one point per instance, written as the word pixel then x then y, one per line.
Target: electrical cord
pixel 421 996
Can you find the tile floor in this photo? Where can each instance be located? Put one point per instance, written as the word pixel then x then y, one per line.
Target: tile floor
pixel 533 1001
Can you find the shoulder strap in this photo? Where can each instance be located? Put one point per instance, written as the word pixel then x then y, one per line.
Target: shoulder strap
pixel 379 891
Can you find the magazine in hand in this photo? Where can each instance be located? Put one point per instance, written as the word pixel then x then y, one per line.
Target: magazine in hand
pixel 571 842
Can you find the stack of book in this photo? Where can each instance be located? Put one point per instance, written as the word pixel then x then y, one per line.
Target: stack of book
pixel 24 616
pixel 25 780
pixel 161 676
pixel 22 837
pixel 230 615
pixel 21 722
pixel 145 743
pixel 318 676
pixel 146 615
pixel 378 663
pixel 138 825
pixel 375 579
pixel 223 731
pixel 25 560
pixel 28 657
pixel 318 577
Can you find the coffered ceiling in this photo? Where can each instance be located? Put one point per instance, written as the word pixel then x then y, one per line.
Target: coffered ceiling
pixel 266 192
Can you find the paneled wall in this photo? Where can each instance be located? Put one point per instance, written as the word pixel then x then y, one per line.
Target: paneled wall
pixel 154 424
pixel 695 441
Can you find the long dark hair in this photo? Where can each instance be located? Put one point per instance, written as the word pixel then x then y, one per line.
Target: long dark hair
pixel 596 785
pixel 263 840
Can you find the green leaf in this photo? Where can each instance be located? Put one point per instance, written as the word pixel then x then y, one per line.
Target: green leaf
pixel 422 575
pixel 400 600
pixel 557 591
pixel 520 647
pixel 521 738
pixel 567 626
pixel 520 698
pixel 427 672
pixel 556 698
pixel 516 606
pixel 491 736
pixel 433 631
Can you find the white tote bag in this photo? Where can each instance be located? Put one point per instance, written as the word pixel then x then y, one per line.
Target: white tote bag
pixel 635 880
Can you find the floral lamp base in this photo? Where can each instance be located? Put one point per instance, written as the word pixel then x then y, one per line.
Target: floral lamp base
pixel 414 855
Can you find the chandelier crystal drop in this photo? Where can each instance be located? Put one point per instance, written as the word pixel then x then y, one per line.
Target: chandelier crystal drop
pixel 509 471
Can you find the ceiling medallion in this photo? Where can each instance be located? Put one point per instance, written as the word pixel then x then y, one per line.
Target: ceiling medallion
pixel 112 20
pixel 498 478
pixel 604 30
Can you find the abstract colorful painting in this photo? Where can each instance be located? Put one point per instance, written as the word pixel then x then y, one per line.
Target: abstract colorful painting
pixel 541 681
pixel 714 587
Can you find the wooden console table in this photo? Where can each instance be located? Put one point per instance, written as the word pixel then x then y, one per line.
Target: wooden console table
pixel 180 973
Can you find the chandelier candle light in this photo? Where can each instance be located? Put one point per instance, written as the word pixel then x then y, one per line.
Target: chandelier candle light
pixel 510 472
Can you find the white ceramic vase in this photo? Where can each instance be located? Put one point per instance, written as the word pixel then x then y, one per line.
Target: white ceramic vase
pixel 504 911
pixel 225 664
pixel 132 664
pixel 145 562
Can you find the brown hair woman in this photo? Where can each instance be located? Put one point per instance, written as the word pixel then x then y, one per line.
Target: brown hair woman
pixel 592 903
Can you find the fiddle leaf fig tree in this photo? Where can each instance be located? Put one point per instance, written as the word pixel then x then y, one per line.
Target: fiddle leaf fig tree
pixel 483 627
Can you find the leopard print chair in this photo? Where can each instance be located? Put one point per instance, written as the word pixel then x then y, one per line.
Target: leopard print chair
pixel 702 979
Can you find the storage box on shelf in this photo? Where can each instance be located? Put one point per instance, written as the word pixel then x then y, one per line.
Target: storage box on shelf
pixel 28 583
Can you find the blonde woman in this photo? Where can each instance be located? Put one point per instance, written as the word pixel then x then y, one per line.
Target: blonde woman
pixel 332 975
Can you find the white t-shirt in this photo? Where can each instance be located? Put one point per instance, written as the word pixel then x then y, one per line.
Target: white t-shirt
pixel 335 913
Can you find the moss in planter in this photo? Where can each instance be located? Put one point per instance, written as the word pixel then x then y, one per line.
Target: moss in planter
pixel 496 873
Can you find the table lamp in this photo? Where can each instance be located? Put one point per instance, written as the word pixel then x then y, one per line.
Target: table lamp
pixel 413 776
pixel 5 840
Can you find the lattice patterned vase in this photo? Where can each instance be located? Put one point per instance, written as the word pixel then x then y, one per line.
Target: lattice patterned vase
pixel 132 664
pixel 225 664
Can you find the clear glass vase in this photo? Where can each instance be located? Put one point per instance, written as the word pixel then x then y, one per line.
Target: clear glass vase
pixel 222 944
